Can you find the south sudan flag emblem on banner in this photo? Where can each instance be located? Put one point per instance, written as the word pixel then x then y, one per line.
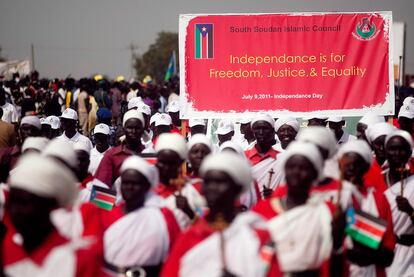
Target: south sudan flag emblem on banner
pixel 204 42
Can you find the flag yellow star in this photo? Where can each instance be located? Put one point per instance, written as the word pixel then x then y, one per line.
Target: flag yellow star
pixel 204 29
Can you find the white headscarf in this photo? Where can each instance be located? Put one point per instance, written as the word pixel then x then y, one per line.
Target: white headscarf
pixel 199 139
pixel 321 136
pixel 231 144
pixel 379 129
pixel 63 150
pixel 174 142
pixel 37 143
pixel 44 177
pixel 356 146
pixel 263 117
pixel 133 114
pixel 31 120
pixel 287 120
pixel 231 163
pixel 400 133
pixel 370 119
pixel 306 149
pixel 142 166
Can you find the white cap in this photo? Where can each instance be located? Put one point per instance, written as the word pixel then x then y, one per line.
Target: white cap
pixel 195 122
pixel 245 120
pixel 174 142
pixel 101 129
pixel 287 120
pixel 144 108
pixel 316 117
pixel 142 166
pixel 370 119
pixel 53 121
pixel 334 119
pixel 379 129
pixel 400 133
pixel 408 101
pixel 360 147
pixel 44 177
pixel 133 114
pixel 43 120
pixel 173 107
pixel 62 149
pixel 31 120
pixel 321 136
pixel 224 127
pixel 163 119
pixel 82 146
pixel 233 164
pixel 69 114
pixel 37 143
pixel 306 149
pixel 133 102
pixel 154 117
pixel 263 117
pixel 199 139
pixel 406 111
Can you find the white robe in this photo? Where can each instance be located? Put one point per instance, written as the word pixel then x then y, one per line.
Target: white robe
pixel 241 252
pixel 261 173
pixel 139 238
pixel 302 236
pixel 403 263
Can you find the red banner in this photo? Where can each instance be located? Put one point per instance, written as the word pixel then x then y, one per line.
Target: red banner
pixel 298 64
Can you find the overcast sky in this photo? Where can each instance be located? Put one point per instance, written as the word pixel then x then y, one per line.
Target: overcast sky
pixel 81 37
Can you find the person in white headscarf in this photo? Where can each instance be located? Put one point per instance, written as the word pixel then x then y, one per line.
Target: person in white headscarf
pixel 286 129
pixel 199 146
pixel 140 231
pixel 36 144
pixel 290 214
pixel 179 195
pixel 38 186
pixel 400 196
pixel 29 127
pixel 251 196
pixel 133 124
pixel 376 135
pixel 355 158
pixel 366 121
pixel 263 156
pixel 223 243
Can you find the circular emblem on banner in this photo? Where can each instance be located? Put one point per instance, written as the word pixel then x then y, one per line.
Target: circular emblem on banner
pixel 365 30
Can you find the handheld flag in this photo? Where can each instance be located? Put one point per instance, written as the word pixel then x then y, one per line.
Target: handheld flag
pixel 172 68
pixel 103 198
pixel 365 228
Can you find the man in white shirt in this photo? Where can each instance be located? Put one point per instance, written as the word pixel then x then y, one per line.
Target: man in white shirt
pixel 68 121
pixel 9 111
pixel 101 135
pixel 336 124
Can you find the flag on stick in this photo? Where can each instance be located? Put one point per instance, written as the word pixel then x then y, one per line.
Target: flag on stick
pixel 365 228
pixel 103 197
pixel 172 68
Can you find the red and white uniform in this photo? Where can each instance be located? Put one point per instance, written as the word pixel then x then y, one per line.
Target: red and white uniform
pixel 142 237
pixel 403 259
pixel 262 164
pixel 298 250
pixel 198 251
pixel 56 256
pixel 194 198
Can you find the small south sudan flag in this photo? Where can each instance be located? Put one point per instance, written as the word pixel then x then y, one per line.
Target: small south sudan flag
pixel 103 198
pixel 365 228
pixel 204 41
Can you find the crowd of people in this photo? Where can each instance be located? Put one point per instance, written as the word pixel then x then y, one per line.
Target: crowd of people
pixel 102 178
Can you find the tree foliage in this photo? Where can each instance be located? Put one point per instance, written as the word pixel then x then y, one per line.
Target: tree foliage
pixel 2 59
pixel 154 62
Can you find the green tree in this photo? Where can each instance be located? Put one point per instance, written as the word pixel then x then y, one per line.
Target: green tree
pixel 154 62
pixel 2 59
